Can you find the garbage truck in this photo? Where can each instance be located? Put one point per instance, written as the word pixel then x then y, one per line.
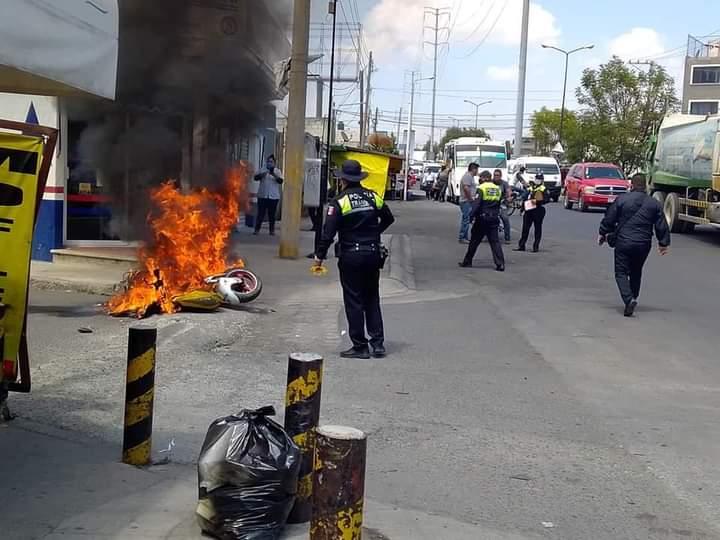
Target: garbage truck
pixel 684 171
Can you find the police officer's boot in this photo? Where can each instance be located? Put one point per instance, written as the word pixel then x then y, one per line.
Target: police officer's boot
pixel 362 353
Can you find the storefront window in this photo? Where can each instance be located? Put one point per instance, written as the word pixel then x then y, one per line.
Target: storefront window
pixel 88 203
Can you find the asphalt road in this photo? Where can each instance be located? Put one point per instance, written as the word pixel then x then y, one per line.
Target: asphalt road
pixel 517 405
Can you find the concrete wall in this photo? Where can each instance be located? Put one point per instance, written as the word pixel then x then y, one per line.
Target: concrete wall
pixel 49 229
pixel 699 92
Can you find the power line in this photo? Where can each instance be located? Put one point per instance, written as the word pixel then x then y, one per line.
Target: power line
pixel 490 31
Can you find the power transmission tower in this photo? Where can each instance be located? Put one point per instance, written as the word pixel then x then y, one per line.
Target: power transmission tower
pixel 437 14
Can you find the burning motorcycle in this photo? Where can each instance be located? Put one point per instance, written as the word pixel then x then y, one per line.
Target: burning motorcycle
pixel 232 288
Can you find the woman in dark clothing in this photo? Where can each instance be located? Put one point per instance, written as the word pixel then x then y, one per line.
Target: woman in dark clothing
pixel 534 212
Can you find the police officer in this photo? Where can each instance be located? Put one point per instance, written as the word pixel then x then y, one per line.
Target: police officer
pixel 534 216
pixel 486 216
pixel 359 216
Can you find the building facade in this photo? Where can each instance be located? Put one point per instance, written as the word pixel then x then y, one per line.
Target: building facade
pixel 701 89
pixel 195 92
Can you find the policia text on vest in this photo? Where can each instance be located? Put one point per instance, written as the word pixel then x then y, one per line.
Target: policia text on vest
pixel 358 216
pixel 486 217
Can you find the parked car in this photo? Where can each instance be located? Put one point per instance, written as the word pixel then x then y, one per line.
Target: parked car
pixel 546 165
pixel 594 184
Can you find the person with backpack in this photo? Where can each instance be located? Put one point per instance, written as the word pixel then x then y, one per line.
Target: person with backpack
pixel 628 227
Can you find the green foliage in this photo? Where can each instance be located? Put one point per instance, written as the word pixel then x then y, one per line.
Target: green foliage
pixel 622 107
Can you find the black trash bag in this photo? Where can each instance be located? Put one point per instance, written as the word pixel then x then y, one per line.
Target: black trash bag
pixel 247 476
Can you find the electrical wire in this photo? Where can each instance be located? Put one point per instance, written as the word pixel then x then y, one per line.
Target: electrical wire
pixel 490 31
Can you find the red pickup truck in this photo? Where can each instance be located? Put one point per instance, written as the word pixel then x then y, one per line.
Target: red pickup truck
pixel 594 184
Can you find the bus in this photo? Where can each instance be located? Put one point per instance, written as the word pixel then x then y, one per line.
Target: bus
pixel 459 153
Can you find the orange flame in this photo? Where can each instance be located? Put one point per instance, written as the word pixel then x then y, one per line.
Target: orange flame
pixel 190 237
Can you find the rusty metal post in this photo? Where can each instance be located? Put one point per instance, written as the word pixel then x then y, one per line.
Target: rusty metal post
pixel 139 396
pixel 302 414
pixel 339 483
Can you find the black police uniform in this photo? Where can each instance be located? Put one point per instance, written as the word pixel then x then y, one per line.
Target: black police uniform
pixel 359 216
pixel 486 216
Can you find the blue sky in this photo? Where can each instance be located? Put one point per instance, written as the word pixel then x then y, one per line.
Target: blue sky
pixel 480 62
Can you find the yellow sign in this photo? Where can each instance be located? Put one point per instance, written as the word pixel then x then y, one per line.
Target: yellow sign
pixel 376 166
pixel 20 158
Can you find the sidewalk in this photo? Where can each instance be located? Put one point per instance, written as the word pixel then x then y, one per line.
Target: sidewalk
pixel 62 489
pixel 281 277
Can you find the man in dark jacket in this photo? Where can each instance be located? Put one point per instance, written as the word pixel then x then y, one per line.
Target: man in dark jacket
pixel 632 218
pixel 358 216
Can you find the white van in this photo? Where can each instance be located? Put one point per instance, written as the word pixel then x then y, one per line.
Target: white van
pixel 548 166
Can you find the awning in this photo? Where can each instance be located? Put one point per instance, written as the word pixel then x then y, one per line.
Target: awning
pixel 57 48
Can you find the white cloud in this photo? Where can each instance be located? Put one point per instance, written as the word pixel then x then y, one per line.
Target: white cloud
pixel 393 28
pixel 637 43
pixel 502 73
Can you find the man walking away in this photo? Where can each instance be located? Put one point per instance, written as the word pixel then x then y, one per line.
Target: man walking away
pixel 506 198
pixel 268 194
pixel 468 190
pixel 359 216
pixel 628 227
pixel 534 215
pixel 486 216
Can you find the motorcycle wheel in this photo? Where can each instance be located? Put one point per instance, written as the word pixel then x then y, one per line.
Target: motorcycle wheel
pixel 253 285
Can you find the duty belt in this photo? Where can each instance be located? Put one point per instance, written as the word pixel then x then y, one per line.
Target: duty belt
pixel 359 247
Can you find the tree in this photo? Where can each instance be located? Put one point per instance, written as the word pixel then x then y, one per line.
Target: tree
pixel 435 150
pixel 546 131
pixel 621 110
pixel 455 132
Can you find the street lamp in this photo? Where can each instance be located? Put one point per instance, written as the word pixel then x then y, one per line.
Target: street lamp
pixel 477 106
pixel 567 60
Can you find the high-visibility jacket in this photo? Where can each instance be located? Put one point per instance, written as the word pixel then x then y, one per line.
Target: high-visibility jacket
pixel 487 204
pixel 358 216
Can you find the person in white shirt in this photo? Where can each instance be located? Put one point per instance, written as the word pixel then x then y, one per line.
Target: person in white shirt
pixel 268 195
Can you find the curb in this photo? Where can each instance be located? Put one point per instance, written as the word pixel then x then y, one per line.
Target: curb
pixel 58 284
pixel 401 264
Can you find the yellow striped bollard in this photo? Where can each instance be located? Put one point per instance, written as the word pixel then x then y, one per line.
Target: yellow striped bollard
pixel 339 483
pixel 302 414
pixel 139 396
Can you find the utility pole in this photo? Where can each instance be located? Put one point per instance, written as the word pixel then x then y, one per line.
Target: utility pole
pixel 399 124
pixel 375 122
pixel 324 180
pixel 362 108
pixel 367 99
pixel 520 111
pixel 408 149
pixel 437 13
pixel 295 143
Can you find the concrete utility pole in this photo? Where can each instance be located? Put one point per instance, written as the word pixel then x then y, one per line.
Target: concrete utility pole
pixel 368 81
pixel 437 13
pixel 520 111
pixel 362 108
pixel 408 148
pixel 375 121
pixel 567 62
pixel 295 143
pixel 399 125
